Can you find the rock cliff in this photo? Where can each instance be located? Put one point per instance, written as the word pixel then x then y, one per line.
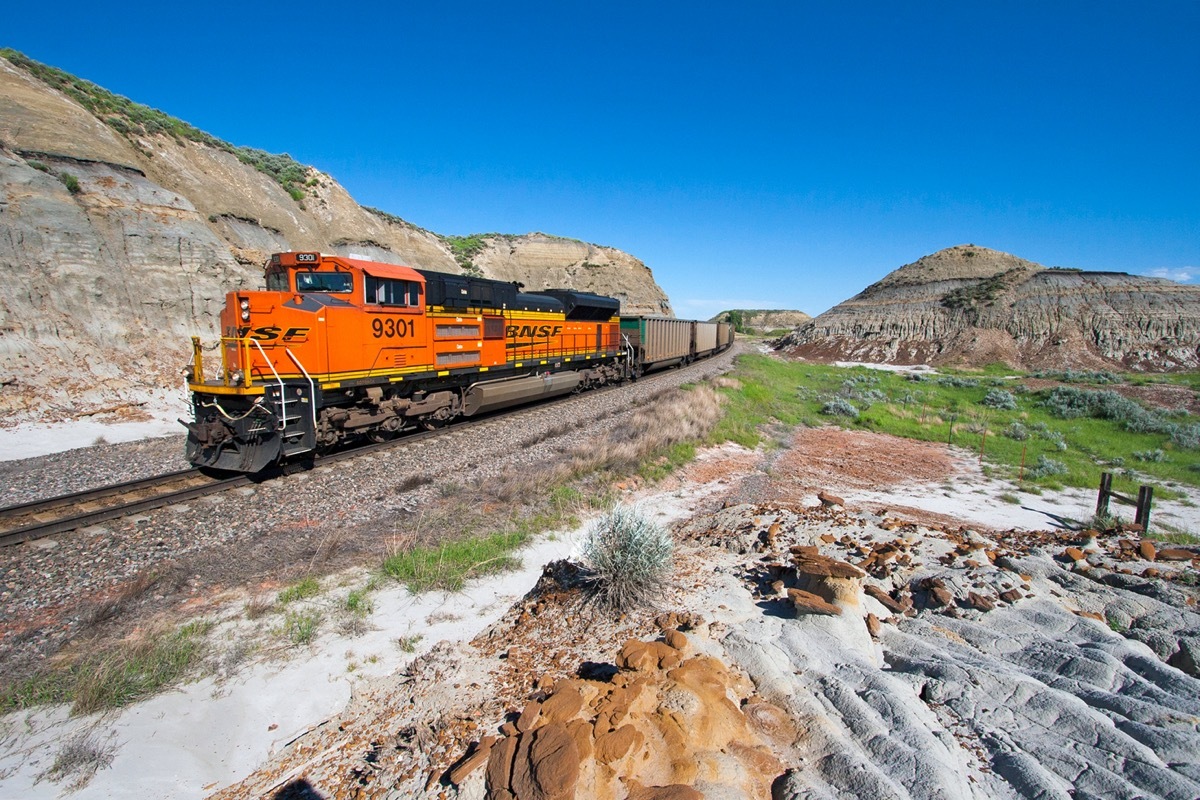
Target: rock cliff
pixel 969 305
pixel 121 230
pixel 759 320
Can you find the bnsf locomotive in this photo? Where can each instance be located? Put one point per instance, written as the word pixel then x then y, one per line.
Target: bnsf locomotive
pixel 340 348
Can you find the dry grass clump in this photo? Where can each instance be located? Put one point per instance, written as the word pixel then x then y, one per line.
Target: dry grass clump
pixel 629 556
pixel 80 757
pixel 679 417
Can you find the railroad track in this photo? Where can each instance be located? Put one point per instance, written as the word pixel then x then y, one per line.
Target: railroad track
pixel 22 523
pixel 42 518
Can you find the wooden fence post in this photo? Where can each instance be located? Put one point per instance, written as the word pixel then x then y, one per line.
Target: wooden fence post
pixel 1105 491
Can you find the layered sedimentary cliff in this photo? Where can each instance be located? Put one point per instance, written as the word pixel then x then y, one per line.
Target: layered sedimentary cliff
pixel 121 230
pixel 971 305
pixel 757 320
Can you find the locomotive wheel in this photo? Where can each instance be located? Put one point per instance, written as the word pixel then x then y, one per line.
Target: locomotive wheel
pixel 379 436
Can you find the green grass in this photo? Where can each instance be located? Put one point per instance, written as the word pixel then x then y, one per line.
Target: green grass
pixel 116 677
pixel 358 602
pixel 448 566
pixel 300 626
pixel 949 408
pixel 667 461
pixel 308 587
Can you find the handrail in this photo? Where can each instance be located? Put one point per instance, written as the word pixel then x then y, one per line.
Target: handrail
pixel 282 390
pixel 312 390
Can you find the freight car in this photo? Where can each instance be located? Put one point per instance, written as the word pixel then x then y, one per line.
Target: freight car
pixel 660 342
pixel 339 348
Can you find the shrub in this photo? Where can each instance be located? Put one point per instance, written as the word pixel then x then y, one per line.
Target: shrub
pixel 1070 403
pixel 1186 436
pixel 1046 467
pixel 629 556
pixel 71 182
pixel 1000 399
pixel 955 382
pixel 40 166
pixel 1016 431
pixel 1156 455
pixel 839 407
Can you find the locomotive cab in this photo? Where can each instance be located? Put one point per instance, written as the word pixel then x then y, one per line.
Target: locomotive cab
pixel 318 316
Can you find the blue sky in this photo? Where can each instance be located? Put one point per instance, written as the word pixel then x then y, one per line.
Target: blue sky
pixel 761 154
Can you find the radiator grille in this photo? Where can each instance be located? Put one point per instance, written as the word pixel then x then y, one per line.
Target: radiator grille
pixel 462 357
pixel 458 331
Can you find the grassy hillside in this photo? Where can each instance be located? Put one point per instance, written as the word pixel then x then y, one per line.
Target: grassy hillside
pixel 1062 435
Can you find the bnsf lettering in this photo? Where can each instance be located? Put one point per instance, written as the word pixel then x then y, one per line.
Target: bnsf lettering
pixel 269 333
pixel 532 331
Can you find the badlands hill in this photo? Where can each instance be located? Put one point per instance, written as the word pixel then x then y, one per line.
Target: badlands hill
pixel 762 320
pixel 121 230
pixel 971 306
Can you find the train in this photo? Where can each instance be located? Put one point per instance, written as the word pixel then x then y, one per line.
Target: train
pixel 338 349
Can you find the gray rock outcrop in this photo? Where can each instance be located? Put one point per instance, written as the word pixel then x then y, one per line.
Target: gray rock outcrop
pixel 969 305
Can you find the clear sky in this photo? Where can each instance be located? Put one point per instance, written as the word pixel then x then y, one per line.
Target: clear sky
pixel 754 155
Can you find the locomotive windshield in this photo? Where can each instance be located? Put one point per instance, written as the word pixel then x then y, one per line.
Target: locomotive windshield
pixel 333 282
pixel 277 281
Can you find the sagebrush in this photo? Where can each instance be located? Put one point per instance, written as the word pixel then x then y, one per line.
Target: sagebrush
pixel 629 556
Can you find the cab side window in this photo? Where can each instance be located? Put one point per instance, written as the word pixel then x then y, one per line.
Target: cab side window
pixel 388 292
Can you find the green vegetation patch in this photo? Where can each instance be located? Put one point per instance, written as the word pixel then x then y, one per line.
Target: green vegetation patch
pixel 301 590
pixel 114 678
pixel 448 566
pixel 1062 436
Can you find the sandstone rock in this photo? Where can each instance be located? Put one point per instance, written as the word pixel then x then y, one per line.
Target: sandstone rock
pixel 472 760
pixel 549 769
pixel 1074 554
pixel 676 640
pixel 500 763
pixel 807 602
pixel 830 500
pixel 675 791
pixel 808 563
pixel 529 716
pixel 939 596
pixel 873 626
pixel 562 706
pixel 1147 550
pixel 617 744
pixel 883 597
pixel 1175 554
pixel 980 602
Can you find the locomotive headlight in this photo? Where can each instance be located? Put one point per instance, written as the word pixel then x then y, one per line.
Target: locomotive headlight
pixel 245 315
pixel 245 306
pixel 237 376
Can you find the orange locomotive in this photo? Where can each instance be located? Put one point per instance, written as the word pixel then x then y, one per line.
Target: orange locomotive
pixel 339 348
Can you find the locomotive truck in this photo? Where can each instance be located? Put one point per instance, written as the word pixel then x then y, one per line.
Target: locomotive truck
pixel 340 348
